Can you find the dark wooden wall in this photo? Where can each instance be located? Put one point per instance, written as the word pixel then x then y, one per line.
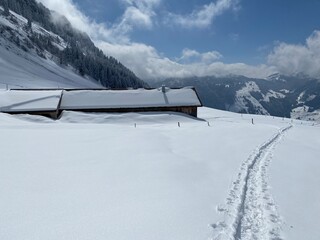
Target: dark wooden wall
pixel 192 111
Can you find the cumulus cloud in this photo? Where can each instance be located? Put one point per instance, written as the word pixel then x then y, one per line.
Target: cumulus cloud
pixel 292 59
pixel 138 13
pixel 144 60
pixel 80 21
pixel 143 4
pixel 189 55
pixel 68 9
pixel 204 16
pixel 148 64
pixel 135 16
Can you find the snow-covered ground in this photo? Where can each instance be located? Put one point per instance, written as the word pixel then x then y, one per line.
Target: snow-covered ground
pixel 97 176
pixel 295 182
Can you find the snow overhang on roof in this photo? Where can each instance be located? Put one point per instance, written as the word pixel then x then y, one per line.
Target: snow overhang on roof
pixel 29 101
pixel 139 98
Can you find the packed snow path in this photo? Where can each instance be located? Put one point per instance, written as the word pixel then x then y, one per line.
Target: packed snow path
pixel 250 212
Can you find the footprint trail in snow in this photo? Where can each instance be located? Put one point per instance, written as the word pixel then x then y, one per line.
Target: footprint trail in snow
pixel 250 212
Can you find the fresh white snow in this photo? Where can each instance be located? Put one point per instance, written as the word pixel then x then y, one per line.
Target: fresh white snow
pixel 140 176
pixel 295 178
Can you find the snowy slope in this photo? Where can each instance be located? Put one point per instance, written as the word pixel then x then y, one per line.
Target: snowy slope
pixel 96 176
pixel 26 69
pixel 40 53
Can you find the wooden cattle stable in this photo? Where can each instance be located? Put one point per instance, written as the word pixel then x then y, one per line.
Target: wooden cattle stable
pixel 34 102
pixel 183 100
pixel 52 102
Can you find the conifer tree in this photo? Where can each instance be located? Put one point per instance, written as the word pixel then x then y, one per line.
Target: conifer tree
pixel 6 8
pixel 29 24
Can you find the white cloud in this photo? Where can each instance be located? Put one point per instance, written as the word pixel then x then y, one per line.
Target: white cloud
pixel 79 21
pixel 68 9
pixel 204 16
pixel 143 4
pixel 139 13
pixel 135 16
pixel 145 61
pixel 293 59
pixel 189 55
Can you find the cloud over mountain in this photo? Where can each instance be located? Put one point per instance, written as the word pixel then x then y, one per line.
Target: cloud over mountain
pixel 148 62
pixel 293 59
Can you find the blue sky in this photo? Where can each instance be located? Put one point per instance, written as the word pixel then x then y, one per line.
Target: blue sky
pixel 239 35
pixel 173 38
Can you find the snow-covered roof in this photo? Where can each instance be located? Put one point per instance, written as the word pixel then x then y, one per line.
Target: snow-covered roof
pixel 139 98
pixel 12 101
pixel 29 101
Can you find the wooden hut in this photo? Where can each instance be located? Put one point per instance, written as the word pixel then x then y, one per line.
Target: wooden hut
pixel 51 103
pixel 184 100
pixel 36 102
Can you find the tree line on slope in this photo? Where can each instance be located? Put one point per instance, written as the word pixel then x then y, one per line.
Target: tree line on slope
pixel 80 51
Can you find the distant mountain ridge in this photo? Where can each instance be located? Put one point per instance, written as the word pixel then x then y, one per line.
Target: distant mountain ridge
pixel 278 95
pixel 30 27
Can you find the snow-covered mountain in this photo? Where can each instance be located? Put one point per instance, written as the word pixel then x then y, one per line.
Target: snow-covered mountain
pixel 37 52
pixel 278 95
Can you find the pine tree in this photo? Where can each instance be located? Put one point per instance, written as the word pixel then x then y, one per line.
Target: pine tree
pixel 29 24
pixel 6 8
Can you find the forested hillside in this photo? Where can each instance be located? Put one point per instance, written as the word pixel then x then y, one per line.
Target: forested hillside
pixel 70 46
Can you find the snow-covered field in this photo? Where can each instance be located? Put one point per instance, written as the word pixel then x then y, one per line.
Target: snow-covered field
pixel 97 176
